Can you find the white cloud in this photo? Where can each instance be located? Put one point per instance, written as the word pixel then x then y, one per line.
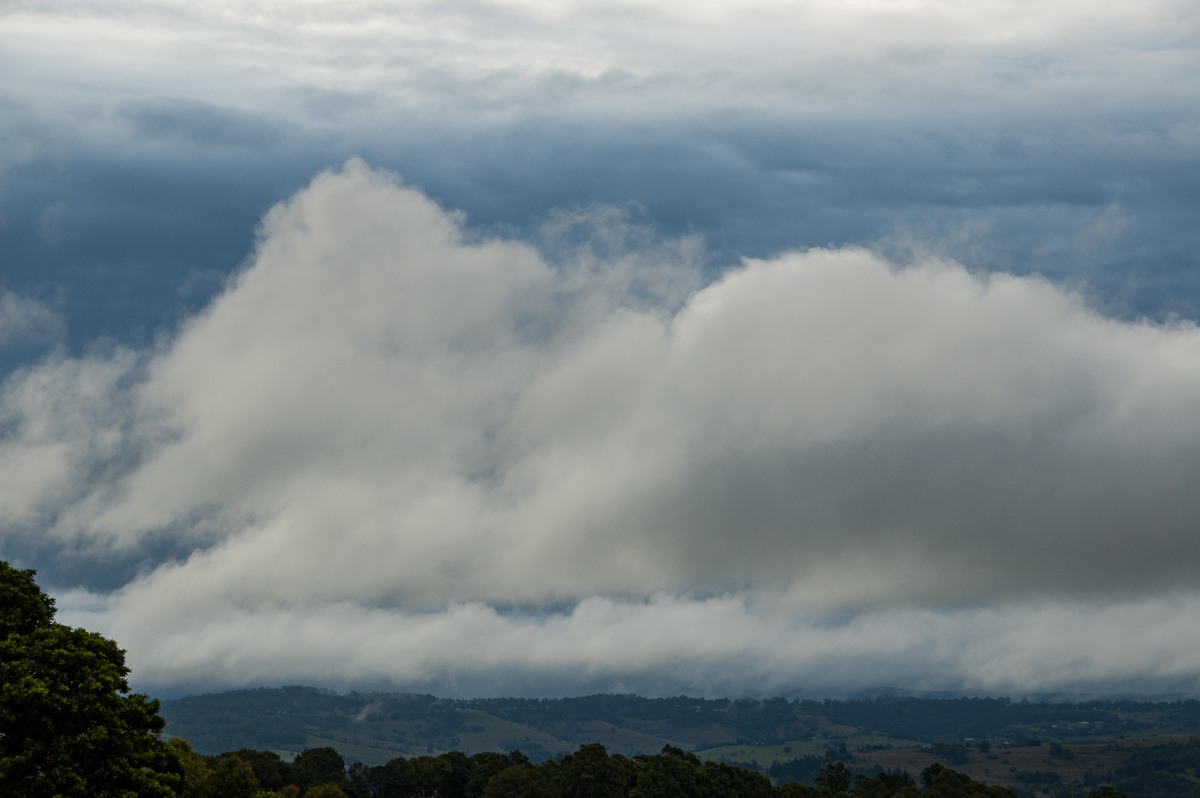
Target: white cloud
pixel 63 422
pixel 506 57
pixel 81 608
pixel 394 447
pixel 25 319
pixel 728 645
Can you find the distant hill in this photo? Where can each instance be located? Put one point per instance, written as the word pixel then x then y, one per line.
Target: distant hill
pixel 375 727
pixel 1066 749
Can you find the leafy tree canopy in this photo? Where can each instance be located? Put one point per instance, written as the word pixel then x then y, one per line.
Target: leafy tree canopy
pixel 69 725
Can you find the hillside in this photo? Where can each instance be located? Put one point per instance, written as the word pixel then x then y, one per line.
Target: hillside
pixel 1046 748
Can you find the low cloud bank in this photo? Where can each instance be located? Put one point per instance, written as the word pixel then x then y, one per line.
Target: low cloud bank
pixel 720 647
pixel 396 452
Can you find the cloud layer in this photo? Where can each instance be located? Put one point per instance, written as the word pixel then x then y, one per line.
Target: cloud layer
pixel 142 140
pixel 400 450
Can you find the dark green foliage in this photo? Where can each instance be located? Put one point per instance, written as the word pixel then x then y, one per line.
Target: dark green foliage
pixel 196 780
pixel 973 717
pixel 318 766
pixel 406 724
pixel 68 724
pixel 455 773
pixel 883 785
pixel 1058 751
pixel 392 780
pixel 437 775
pixel 484 766
pixel 24 608
pixel 718 779
pixel 671 774
pixel 942 782
pixel 358 781
pixel 1106 792
pixel 1038 777
pixel 520 781
pixel 630 721
pixel 591 773
pixel 1168 769
pixel 937 781
pixel 800 769
pixel 949 752
pixel 270 770
pixel 325 791
pixel 835 777
pixel 232 777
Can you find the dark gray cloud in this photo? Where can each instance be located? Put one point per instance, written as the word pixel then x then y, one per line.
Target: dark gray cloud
pixel 445 436
pixel 132 235
pixel 187 122
pixel 1031 153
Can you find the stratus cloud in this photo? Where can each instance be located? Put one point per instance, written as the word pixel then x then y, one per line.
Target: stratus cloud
pixel 521 55
pixel 394 432
pixel 140 140
pixel 723 646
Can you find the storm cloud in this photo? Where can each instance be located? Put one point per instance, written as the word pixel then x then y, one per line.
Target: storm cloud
pixel 141 141
pixel 725 348
pixel 463 459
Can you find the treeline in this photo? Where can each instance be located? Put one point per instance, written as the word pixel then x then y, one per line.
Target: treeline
pixel 589 772
pixel 949 719
pixel 1166 770
pixel 285 718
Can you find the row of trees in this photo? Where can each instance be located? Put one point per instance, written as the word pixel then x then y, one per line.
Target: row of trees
pixel 590 772
pixel 71 728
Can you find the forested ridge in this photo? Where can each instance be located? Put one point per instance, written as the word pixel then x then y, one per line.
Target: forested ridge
pixel 1029 747
pixel 589 772
pixel 387 724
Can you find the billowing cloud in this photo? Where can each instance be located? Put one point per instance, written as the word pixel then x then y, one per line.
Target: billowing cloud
pixel 400 450
pixel 741 377
pixel 141 140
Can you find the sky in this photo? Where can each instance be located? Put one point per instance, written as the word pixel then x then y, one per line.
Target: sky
pixel 527 348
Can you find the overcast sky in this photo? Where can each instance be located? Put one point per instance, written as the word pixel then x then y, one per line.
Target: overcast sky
pixel 550 348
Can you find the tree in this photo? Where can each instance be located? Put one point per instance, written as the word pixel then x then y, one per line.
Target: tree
pixel 940 780
pixel 485 765
pixel 719 780
pixel 520 781
pixel 69 725
pixel 270 770
pixel 672 774
pixel 197 775
pixel 314 766
pixel 591 773
pixel 232 777
pixel 326 790
pixel 836 777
